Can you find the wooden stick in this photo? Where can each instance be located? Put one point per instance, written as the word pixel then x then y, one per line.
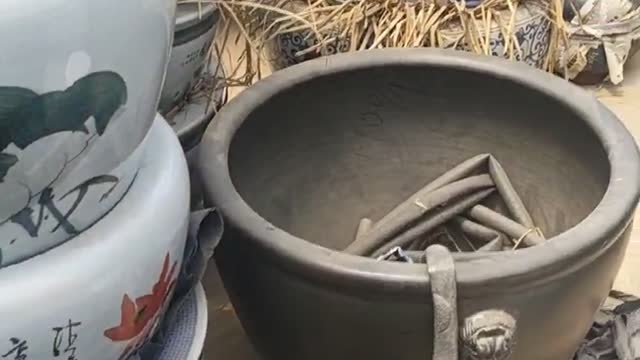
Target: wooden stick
pixel 457 235
pixel 363 227
pixel 493 245
pixel 459 172
pixel 488 217
pixel 416 256
pixel 414 210
pixel 418 244
pixel 438 218
pixel 509 195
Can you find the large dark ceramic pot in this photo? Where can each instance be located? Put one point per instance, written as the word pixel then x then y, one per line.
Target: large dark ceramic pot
pixel 297 160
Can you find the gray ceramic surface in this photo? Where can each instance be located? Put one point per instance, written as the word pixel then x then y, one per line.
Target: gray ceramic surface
pixel 101 294
pixel 79 86
pixel 297 160
pixel 195 29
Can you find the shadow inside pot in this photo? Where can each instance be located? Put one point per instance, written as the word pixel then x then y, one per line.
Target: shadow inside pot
pixel 320 156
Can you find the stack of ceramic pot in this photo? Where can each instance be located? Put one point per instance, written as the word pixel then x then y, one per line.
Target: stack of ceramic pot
pixel 531 26
pixel 603 36
pixel 94 190
pixel 192 91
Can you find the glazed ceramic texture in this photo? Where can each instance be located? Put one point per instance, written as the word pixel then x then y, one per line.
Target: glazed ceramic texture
pixel 378 126
pixel 79 87
pixel 192 42
pixel 532 30
pixel 101 294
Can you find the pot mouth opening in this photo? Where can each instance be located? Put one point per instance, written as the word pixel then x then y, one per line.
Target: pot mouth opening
pixel 602 216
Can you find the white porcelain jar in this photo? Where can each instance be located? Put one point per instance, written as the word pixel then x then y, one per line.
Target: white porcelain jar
pixel 79 86
pixel 101 294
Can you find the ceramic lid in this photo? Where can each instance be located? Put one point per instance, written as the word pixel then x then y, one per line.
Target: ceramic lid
pixel 189 14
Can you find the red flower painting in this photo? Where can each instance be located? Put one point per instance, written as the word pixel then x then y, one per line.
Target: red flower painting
pixel 137 317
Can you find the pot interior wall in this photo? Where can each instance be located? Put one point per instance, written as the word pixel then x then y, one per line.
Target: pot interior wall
pixel 316 158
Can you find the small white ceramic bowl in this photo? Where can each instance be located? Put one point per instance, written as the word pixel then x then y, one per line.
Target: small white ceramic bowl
pixel 185 335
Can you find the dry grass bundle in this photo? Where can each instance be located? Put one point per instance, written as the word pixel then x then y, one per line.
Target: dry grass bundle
pixel 329 26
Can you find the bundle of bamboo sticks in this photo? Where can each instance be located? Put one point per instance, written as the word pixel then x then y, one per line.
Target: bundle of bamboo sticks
pixel 448 211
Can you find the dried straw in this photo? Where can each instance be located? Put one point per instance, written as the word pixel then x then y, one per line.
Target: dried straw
pixel 329 26
pixel 368 24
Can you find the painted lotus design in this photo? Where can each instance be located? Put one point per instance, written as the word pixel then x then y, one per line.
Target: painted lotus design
pixel 138 318
pixel 26 116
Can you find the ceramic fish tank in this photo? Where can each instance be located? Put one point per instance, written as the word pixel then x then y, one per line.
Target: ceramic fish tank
pixel 102 294
pixel 378 126
pixel 79 86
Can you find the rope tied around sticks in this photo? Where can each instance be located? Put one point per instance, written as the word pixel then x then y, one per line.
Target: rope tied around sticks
pixel 537 230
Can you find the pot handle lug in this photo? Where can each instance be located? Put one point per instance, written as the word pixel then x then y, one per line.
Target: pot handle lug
pixel 488 335
pixel 442 277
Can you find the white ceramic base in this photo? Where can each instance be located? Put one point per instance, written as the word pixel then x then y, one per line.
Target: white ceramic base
pixel 187 333
pixel 78 96
pixel 201 328
pixel 187 58
pixel 69 211
pixel 101 294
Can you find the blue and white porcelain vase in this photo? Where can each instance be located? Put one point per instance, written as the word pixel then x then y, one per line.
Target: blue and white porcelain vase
pixel 531 29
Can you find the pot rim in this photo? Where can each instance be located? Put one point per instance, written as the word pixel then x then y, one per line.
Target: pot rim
pixel 188 14
pixel 482 273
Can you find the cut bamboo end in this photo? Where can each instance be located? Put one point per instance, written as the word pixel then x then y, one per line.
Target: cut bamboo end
pixel 495 220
